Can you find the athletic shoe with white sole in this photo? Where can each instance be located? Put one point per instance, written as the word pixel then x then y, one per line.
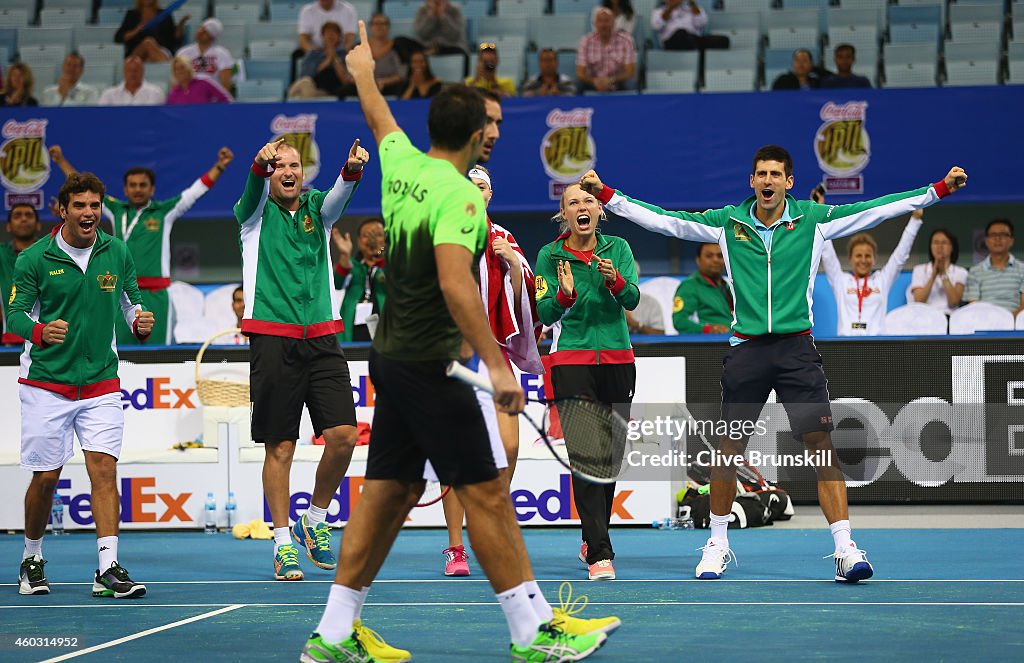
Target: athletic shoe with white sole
pixel 376 647
pixel 714 561
pixel 349 650
pixel 852 566
pixel 116 583
pixel 555 646
pixel 286 563
pixel 565 619
pixel 456 561
pixel 583 552
pixel 31 578
pixel 601 570
pixel 316 539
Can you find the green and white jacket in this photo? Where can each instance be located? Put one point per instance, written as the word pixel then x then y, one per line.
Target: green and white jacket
pixel 772 284
pixel 287 273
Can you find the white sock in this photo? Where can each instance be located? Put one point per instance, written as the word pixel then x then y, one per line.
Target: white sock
pixel 315 515
pixel 841 535
pixel 362 602
pixel 342 606
pixel 33 547
pixel 282 537
pixel 539 603
pixel 720 529
pixel 107 547
pixel 522 620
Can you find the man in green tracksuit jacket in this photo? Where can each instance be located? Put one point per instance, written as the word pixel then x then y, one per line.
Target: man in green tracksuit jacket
pixel 23 226
pixel 145 225
pixel 703 302
pixel 772 244
pixel 291 318
pixel 69 289
pixel 363 279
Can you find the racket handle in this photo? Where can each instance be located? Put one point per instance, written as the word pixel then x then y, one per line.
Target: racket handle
pixel 463 374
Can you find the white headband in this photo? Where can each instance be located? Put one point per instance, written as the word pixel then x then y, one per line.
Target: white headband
pixel 477 174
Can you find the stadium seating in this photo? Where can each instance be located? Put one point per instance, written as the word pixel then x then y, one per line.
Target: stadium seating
pixel 449 68
pixel 61 17
pixel 259 90
pixel 520 8
pixel 980 316
pixel 972 63
pixel 972 23
pixel 1015 63
pixel 797 28
pixel 401 9
pixel 910 65
pixel 915 320
pixel 561 33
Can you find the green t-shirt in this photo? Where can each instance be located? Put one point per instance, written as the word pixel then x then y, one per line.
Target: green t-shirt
pixel 426 202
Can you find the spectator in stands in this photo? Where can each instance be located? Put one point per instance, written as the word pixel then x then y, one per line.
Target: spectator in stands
pixel 68 91
pixel 313 16
pixel 18 86
pixel 23 227
pixel 803 75
pixel 940 282
pixel 388 70
pixel 647 317
pixel 441 28
pixel 680 25
pixel 133 90
pixel 152 42
pixel 238 305
pixel 323 72
pixel 549 82
pixel 625 17
pixel 361 276
pixel 422 81
pixel 844 57
pixel 486 76
pixel 605 59
pixel 703 303
pixel 191 89
pixel 999 278
pixel 208 58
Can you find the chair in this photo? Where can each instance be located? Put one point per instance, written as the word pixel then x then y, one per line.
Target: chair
pixel 561 33
pixel 980 316
pixel 401 9
pixel 270 49
pixel 94 34
pixel 972 63
pixel 259 90
pixel 575 7
pixel 286 10
pixel 449 68
pixel 915 23
pixel 1015 63
pixel 62 17
pixel 796 28
pixel 660 61
pixel 365 9
pixel 13 18
pixel 101 54
pixel 520 8
pixel 111 15
pixel 976 22
pixel 474 9
pixel 100 74
pixel 44 37
pixel 280 70
pixel 43 58
pixel 680 81
pixel 502 27
pixel 915 320
pixel 187 303
pixel 270 31
pixel 743 79
pixel 1019 325
pixel 663 289
pixel 217 306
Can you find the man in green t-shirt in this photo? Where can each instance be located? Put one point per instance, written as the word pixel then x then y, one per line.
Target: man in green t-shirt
pixel 436 229
pixel 703 302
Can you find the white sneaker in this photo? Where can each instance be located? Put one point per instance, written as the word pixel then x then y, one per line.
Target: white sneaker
pixel 714 561
pixel 853 565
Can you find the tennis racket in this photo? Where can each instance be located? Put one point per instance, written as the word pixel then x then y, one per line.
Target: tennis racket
pixel 596 443
pixel 745 472
pixel 433 493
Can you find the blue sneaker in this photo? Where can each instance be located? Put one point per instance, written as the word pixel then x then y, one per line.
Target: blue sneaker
pixel 853 566
pixel 317 542
pixel 286 563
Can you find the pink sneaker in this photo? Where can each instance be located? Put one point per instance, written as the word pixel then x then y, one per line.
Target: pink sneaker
pixel 456 561
pixel 583 552
pixel 602 570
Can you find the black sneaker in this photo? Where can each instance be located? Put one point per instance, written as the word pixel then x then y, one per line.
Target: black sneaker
pixel 116 583
pixel 31 578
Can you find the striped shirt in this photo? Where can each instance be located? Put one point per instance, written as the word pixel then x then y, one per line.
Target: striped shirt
pixel 606 60
pixel 1001 287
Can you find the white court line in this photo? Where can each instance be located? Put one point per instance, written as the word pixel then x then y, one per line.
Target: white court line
pixel 462 581
pixel 142 634
pixel 493 604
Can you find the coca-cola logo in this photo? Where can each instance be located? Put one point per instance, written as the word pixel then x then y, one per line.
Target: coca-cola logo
pixel 29 129
pixel 299 123
pixel 577 117
pixel 851 110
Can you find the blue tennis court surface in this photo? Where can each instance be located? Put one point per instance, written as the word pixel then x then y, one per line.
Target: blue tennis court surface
pixel 937 595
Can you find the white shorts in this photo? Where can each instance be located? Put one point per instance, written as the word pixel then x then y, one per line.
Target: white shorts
pixel 50 422
pixel 487 408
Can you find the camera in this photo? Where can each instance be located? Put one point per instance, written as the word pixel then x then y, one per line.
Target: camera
pixel 490 66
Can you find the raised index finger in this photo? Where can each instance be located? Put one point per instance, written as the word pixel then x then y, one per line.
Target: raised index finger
pixel 363 38
pixel 355 147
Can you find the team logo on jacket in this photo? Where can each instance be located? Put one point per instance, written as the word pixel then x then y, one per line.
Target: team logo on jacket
pixel 740 233
pixel 300 132
pixel 307 224
pixel 677 304
pixel 24 162
pixel 567 150
pixel 14 293
pixel 541 286
pixel 843 147
pixel 152 224
pixel 107 282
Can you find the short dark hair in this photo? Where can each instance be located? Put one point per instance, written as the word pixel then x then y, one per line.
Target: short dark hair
pixel 1005 222
pixel 140 170
pixel 80 183
pixel 952 240
pixel 330 25
pixel 489 95
pixel 804 50
pixel 426 61
pixel 846 47
pixel 15 206
pixel 236 291
pixel 773 153
pixel 455 113
pixel 367 221
pixel 701 245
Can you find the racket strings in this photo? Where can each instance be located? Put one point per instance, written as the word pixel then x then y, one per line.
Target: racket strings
pixel 595 436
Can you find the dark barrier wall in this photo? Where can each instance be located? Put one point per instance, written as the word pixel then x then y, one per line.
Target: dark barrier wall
pixel 680 151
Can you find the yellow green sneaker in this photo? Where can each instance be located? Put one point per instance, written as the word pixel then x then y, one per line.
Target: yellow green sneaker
pixel 286 563
pixel 556 646
pixel 565 619
pixel 349 650
pixel 317 542
pixel 376 646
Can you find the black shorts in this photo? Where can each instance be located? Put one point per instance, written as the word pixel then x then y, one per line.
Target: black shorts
pixel 791 366
pixel 613 384
pixel 287 373
pixel 422 414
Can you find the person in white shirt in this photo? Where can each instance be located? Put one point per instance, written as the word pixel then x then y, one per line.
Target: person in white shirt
pixel 940 282
pixel 68 91
pixel 680 25
pixel 315 14
pixel 134 90
pixel 209 59
pixel 862 295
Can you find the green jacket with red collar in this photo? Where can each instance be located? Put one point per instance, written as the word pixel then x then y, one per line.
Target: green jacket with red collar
pixel 772 284
pixel 589 327
pixel 48 286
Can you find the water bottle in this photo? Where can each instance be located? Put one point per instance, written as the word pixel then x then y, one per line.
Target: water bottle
pixel 230 508
pixel 673 523
pixel 57 515
pixel 211 514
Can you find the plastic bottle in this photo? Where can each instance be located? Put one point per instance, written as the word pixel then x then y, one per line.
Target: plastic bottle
pixel 230 510
pixel 57 515
pixel 211 514
pixel 673 523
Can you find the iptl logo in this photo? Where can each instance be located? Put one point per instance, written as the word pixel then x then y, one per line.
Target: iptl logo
pixel 140 503
pixel 341 506
pixel 558 503
pixel 157 395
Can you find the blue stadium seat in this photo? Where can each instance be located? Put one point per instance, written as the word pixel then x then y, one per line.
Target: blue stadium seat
pixel 520 8
pixel 14 18
pixel 268 70
pixel 671 82
pixel 449 68
pixel 259 90
pixel 401 9
pixel 976 23
pixel 575 7
pixel 61 17
pixel 561 33
pixel 286 10
pixel 269 49
pixel 238 11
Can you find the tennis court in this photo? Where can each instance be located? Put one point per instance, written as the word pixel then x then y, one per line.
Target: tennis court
pixel 938 594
